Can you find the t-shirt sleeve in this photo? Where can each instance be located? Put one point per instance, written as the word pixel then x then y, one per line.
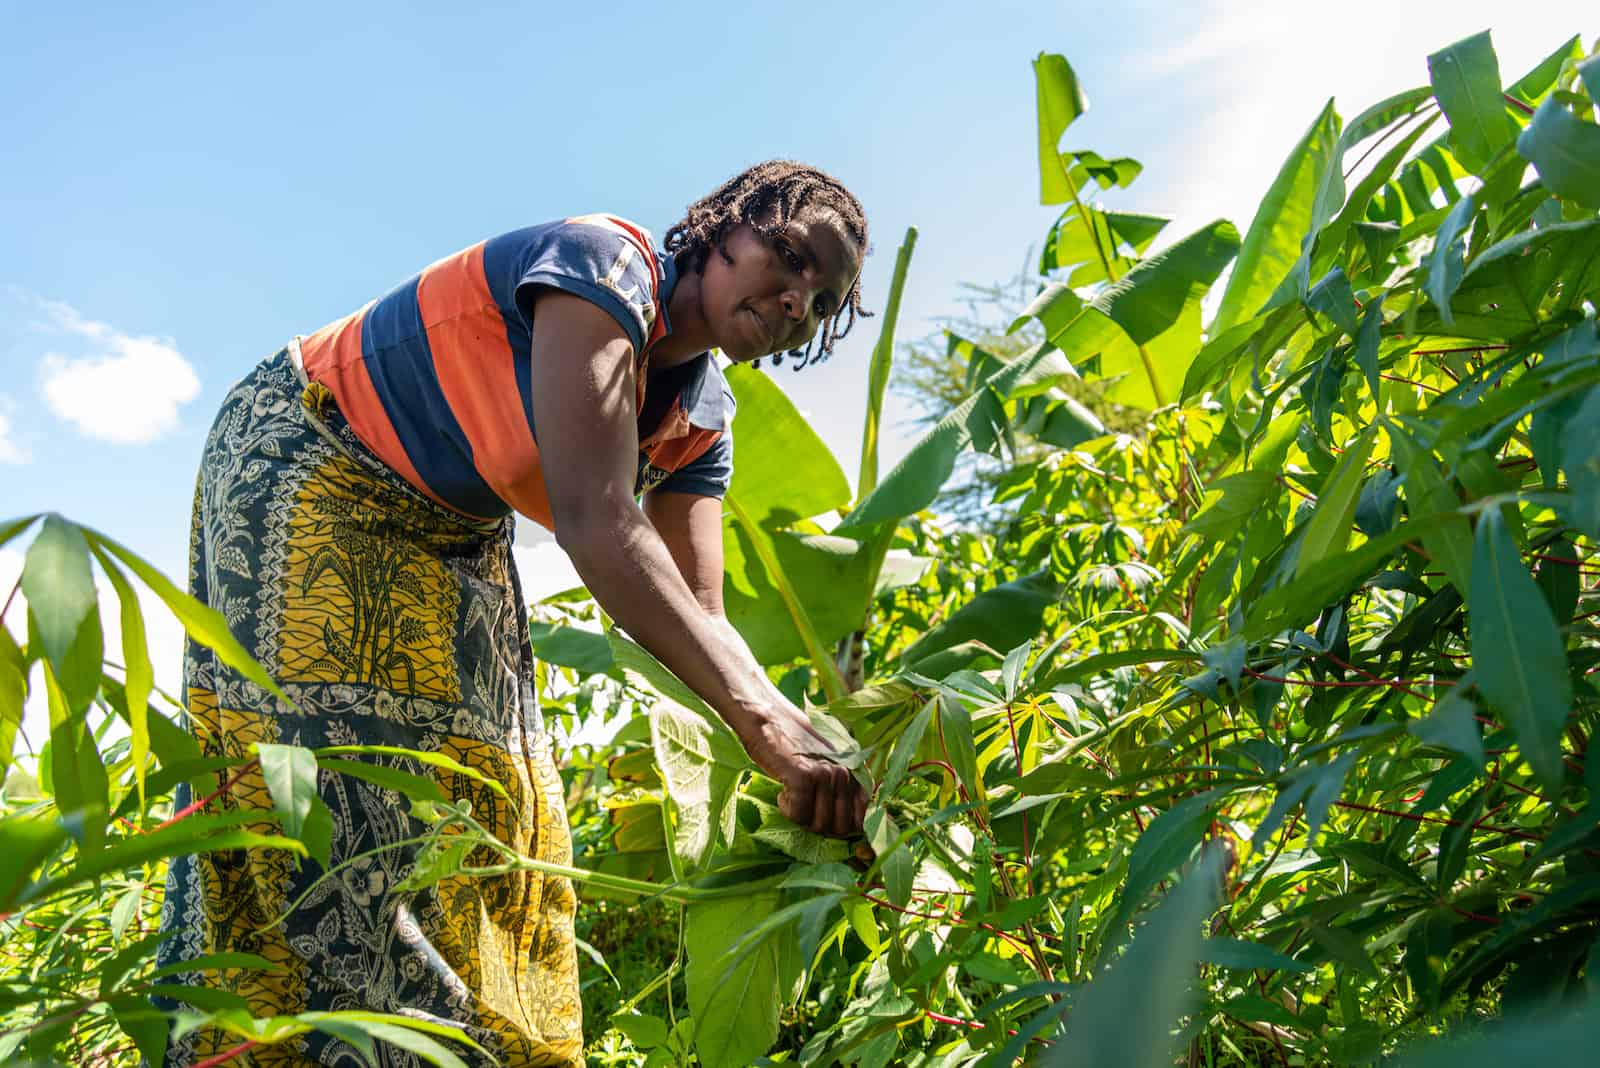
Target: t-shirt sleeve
pixel 710 473
pixel 599 264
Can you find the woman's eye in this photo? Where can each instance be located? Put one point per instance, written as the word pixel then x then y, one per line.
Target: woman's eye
pixel 791 258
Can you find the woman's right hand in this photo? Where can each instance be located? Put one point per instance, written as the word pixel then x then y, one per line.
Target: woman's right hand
pixel 818 794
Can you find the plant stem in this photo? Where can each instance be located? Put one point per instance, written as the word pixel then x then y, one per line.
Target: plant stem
pixel 827 671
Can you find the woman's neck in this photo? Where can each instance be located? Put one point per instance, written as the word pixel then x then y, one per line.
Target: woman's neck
pixel 690 335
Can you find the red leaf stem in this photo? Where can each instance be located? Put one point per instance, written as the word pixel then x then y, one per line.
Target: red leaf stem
pixel 191 809
pixel 227 1055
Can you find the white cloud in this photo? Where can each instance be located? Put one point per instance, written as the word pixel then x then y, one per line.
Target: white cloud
pixel 1268 67
pixel 10 451
pixel 126 390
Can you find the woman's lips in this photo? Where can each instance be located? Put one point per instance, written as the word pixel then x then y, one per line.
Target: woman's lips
pixel 764 335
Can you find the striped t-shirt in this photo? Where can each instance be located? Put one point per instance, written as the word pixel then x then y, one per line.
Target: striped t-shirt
pixel 435 377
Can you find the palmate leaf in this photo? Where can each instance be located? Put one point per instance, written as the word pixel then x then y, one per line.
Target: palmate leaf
pixel 1506 291
pixel 1517 652
pixel 1001 617
pixel 201 622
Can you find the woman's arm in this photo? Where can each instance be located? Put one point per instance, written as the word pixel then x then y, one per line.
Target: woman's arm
pixel 583 408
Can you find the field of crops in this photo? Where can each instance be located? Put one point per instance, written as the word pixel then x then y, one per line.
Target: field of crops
pixel 1253 731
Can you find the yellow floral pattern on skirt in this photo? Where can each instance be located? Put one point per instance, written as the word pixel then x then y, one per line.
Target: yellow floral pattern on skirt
pixel 388 621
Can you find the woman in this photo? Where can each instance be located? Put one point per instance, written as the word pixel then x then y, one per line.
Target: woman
pixel 353 523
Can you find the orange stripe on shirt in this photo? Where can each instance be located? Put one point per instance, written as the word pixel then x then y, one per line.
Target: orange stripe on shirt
pixel 332 356
pixel 473 361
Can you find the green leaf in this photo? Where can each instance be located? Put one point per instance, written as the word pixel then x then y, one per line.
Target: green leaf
pixel 1560 580
pixel 140 676
pixel 1164 845
pixel 414 787
pixel 193 834
pixel 736 1002
pixel 1453 725
pixel 831 577
pixel 13 694
pixel 26 841
pixel 1517 652
pixel 1272 244
pixel 1580 458
pixel 147 1027
pixel 1309 594
pixel 1240 498
pixel 1568 1037
pixel 585 651
pixel 1466 82
pixel 201 622
pixel 1505 290
pixel 1449 540
pixel 1060 101
pixel 290 773
pixel 1001 617
pixel 878 370
pixel 1328 531
pixel 1126 1016
pixel 1161 294
pixel 977 421
pixel 645 1032
pixel 78 775
pixel 1447 262
pixel 700 762
pixel 59 586
pixel 894 857
pixel 11 528
pixel 905 748
pixel 955 730
pixel 1565 151
pixel 783 472
pixel 1333 297
pixel 1241 955
pixel 404 1032
pixel 1367 340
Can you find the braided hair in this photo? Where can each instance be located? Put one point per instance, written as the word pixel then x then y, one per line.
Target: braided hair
pixel 766 197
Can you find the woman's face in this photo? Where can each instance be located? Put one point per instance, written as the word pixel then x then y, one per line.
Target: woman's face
pixel 777 290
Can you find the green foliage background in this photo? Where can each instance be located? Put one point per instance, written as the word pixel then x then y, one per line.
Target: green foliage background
pixel 1251 729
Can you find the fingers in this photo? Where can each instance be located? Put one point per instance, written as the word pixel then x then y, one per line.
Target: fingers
pixel 797 801
pixel 825 800
pixel 821 820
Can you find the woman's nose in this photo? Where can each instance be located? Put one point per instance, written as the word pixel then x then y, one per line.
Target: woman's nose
pixel 795 304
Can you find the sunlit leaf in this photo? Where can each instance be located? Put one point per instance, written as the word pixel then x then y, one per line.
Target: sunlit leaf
pixel 1272 244
pixel 1517 651
pixel 1466 82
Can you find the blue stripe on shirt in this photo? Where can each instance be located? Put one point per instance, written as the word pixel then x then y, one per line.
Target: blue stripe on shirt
pixel 404 378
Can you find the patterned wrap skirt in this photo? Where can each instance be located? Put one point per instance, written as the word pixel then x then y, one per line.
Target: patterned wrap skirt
pixel 387 620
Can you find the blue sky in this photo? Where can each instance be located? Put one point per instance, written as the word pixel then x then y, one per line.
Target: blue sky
pixel 184 187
